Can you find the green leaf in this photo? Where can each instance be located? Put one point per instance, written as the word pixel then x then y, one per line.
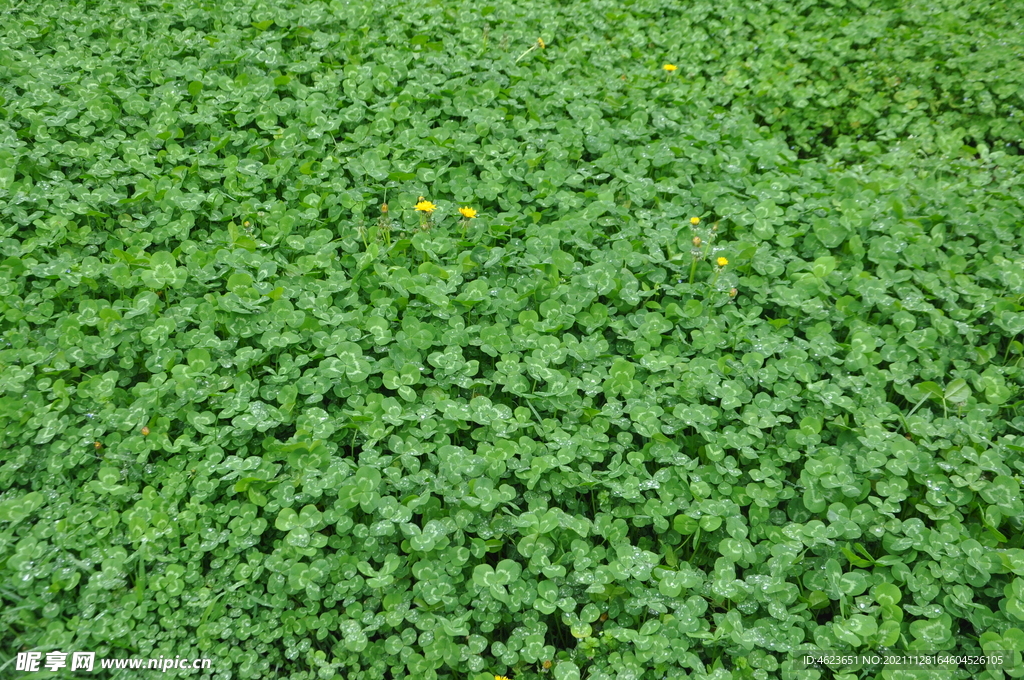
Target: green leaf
pixel 1004 491
pixel 932 631
pixel 931 389
pixel 829 233
pixel 957 391
pixel 287 519
pixel 692 309
pixel 239 281
pixel 887 594
pixel 823 266
pixel 17 509
pixel 484 576
pixel 507 571
pixel 547 590
pixel 566 670
pixel 854 559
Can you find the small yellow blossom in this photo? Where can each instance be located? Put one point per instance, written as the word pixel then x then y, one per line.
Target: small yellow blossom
pixel 695 221
pixel 467 212
pixel 500 677
pixel 722 261
pixel 540 41
pixel 384 207
pixel 733 292
pixel 696 241
pixel 426 206
pixel 670 67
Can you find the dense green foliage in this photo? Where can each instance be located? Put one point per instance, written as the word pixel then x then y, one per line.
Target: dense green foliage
pixel 249 416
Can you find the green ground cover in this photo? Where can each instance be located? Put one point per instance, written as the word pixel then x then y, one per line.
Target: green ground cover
pixel 724 367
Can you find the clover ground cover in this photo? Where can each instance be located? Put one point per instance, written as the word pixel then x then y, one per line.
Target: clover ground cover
pixel 672 373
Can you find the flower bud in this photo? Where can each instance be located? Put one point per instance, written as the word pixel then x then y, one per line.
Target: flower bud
pixel 696 241
pixel 733 292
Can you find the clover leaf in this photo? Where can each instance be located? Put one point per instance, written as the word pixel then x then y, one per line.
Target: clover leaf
pixel 164 272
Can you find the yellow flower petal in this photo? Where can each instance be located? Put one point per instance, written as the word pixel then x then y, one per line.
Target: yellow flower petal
pixel 670 67
pixel 426 206
pixel 694 221
pixel 467 212
pixel 722 262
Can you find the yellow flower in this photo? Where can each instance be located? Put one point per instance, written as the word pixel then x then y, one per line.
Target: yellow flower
pixel 722 261
pixel 500 677
pixel 540 41
pixel 670 67
pixel 426 206
pixel 695 221
pixel 467 212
